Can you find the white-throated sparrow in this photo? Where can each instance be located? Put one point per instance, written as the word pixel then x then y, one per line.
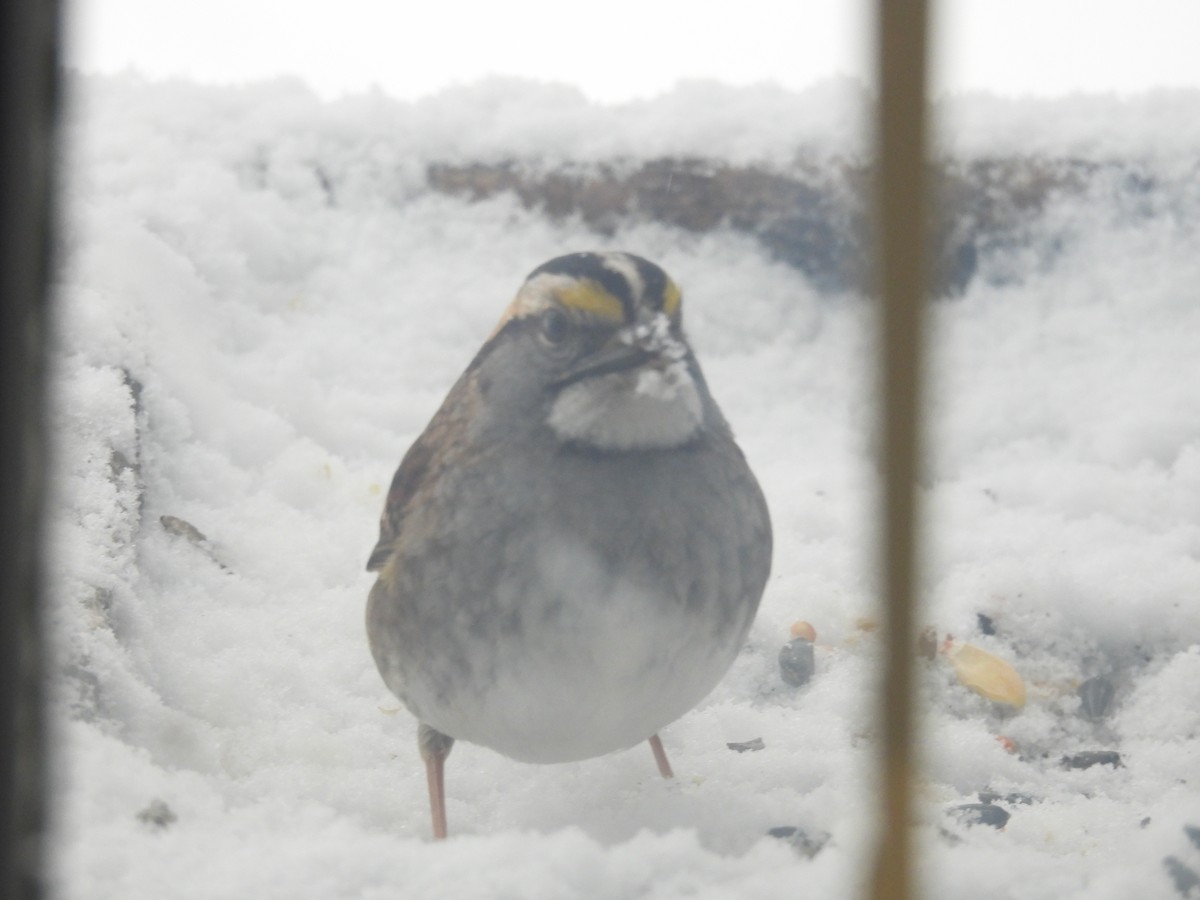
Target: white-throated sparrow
pixel 573 550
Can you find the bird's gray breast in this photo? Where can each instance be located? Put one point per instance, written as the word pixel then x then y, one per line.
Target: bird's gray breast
pixel 549 592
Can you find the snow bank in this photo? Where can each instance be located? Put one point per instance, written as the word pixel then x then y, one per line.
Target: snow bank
pixel 260 305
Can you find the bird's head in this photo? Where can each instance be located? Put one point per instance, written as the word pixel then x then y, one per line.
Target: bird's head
pixel 593 344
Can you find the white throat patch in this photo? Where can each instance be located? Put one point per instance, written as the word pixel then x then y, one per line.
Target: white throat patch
pixel 645 408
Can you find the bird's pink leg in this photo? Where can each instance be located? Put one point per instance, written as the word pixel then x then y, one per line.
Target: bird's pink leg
pixel 660 757
pixel 435 747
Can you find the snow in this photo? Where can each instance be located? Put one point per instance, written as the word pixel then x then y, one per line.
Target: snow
pixel 292 304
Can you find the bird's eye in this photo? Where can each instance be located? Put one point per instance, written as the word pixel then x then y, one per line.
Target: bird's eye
pixel 555 326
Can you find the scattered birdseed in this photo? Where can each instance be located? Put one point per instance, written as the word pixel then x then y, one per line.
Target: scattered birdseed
pixel 987 675
pixel 743 746
pixel 972 814
pixel 803 843
pixel 1089 758
pixel 802 629
pixel 1012 799
pixel 796 662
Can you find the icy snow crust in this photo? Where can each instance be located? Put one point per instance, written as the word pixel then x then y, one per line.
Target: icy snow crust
pixel 260 305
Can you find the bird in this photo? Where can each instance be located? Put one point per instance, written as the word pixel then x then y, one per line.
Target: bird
pixel 572 552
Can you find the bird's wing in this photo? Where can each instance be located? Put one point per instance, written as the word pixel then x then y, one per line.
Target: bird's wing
pixel 441 446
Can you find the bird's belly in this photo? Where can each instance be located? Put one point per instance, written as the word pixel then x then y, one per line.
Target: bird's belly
pixel 568 660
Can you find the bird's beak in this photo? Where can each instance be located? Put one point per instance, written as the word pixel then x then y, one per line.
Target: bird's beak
pixel 615 356
pixel 644 341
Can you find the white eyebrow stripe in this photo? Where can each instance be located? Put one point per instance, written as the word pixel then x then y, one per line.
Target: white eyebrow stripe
pixel 627 269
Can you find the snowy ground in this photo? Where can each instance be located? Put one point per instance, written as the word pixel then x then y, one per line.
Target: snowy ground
pixel 290 305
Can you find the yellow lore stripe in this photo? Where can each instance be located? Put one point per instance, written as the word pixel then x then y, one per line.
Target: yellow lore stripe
pixel 588 297
pixel 672 297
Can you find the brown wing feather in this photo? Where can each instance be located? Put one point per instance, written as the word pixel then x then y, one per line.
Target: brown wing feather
pixel 439 447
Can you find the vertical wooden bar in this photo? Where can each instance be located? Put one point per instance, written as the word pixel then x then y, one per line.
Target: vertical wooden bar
pixel 902 237
pixel 28 89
